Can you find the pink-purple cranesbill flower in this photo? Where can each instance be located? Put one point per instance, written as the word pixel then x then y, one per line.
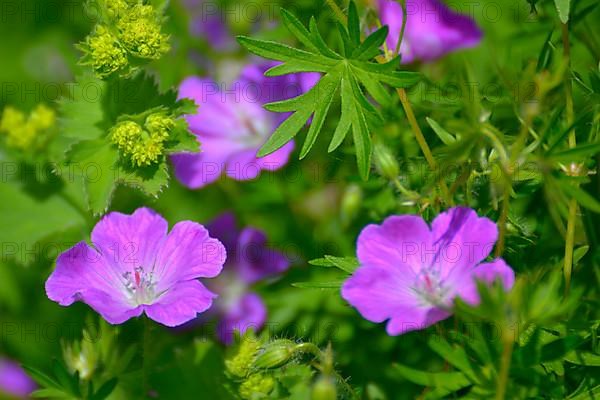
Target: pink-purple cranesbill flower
pixel 208 21
pixel 249 261
pixel 14 381
pixel 136 266
pixel 410 273
pixel 432 29
pixel 231 125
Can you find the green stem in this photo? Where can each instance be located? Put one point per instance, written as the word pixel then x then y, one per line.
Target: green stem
pixel 337 11
pixel 403 5
pixel 572 217
pixel 504 368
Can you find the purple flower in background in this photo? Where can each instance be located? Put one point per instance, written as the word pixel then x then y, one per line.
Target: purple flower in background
pixel 249 261
pixel 136 267
pixel 14 381
pixel 410 274
pixel 208 21
pixel 231 125
pixel 432 29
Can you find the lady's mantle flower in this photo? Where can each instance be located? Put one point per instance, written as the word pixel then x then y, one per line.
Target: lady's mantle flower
pixel 232 126
pixel 27 132
pixel 410 274
pixel 432 29
pixel 249 261
pixel 136 267
pixel 14 381
pixel 143 145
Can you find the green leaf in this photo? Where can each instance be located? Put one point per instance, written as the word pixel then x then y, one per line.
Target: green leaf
pixel 346 264
pixel 346 75
pixel 95 161
pixel 33 218
pixel 579 153
pixel 319 285
pixel 105 390
pixel 445 136
pixel 563 8
pixel 443 382
pixel 582 197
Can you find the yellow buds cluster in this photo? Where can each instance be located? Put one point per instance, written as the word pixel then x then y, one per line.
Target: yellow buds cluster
pixel 241 364
pixel 24 132
pixel 130 30
pixel 256 385
pixel 107 55
pixel 143 144
pixel 140 33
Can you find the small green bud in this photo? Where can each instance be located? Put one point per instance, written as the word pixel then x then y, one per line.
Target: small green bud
pixel 324 389
pixel 385 162
pixel 351 203
pixel 256 384
pixel 81 357
pixel 275 354
pixel 106 54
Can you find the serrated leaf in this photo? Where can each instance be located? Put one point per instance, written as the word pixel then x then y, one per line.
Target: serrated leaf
pixel 151 180
pixel 350 72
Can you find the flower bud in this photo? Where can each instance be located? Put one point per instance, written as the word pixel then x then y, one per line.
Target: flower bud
pixel 351 203
pixel 385 162
pixel 275 354
pixel 324 389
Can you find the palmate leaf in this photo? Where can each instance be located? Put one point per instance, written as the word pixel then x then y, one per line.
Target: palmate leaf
pixel 351 73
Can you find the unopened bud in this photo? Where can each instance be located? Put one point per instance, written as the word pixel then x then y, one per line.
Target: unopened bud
pixel 275 354
pixel 385 162
pixel 351 203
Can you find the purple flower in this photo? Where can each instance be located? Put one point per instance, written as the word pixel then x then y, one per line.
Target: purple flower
pixel 134 266
pixel 14 381
pixel 208 21
pixel 410 274
pixel 232 125
pixel 432 29
pixel 249 261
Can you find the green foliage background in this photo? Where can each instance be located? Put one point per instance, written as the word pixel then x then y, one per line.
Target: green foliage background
pixel 472 106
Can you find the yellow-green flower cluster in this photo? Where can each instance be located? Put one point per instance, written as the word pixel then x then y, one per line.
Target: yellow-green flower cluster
pixel 129 30
pixel 241 364
pixel 140 33
pixel 143 145
pixel 256 385
pixel 26 132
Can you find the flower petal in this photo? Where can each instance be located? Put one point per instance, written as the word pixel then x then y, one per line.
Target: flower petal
pixel 248 312
pixel 488 273
pixel 188 253
pixel 410 319
pixel 254 260
pixel 462 240
pixel 181 303
pixel 379 292
pixel 403 242
pixel 130 241
pixel 81 274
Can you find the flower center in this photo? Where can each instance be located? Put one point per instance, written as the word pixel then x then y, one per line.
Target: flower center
pixel 140 286
pixel 431 289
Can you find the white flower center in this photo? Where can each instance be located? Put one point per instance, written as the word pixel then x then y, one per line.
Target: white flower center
pixel 431 289
pixel 140 286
